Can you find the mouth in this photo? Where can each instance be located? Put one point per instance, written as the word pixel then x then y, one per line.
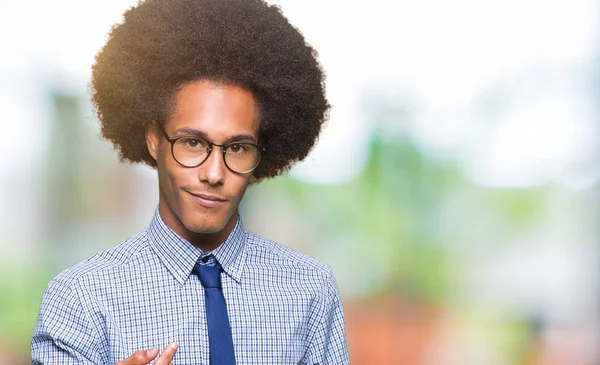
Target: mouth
pixel 208 200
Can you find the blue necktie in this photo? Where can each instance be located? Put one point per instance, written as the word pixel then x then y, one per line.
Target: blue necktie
pixel 219 330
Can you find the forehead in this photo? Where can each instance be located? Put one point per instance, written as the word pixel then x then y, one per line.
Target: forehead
pixel 217 110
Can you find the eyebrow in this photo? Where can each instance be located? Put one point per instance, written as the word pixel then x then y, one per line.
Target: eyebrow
pixel 186 131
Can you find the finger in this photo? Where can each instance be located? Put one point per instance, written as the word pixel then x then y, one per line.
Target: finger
pixel 167 355
pixel 142 357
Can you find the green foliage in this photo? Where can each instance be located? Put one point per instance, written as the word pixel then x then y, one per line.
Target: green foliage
pixel 20 294
pixel 521 208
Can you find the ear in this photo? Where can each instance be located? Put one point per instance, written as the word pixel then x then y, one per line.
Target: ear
pixel 152 136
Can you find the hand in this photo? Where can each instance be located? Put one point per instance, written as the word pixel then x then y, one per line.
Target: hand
pixel 143 357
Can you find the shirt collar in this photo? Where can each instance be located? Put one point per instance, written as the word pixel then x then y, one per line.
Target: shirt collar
pixel 180 256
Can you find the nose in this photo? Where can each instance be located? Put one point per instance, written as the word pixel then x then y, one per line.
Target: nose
pixel 213 169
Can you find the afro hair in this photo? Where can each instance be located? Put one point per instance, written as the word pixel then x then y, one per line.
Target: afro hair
pixel 163 44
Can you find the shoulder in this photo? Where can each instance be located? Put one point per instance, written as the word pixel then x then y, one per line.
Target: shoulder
pixel 105 262
pixel 264 250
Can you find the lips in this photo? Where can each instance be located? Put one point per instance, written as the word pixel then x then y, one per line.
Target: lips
pixel 208 200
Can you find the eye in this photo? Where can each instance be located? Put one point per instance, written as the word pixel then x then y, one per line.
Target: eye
pixel 191 143
pixel 238 148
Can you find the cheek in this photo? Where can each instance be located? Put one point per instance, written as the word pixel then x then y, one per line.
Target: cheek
pixel 239 186
pixel 170 177
pixel 177 178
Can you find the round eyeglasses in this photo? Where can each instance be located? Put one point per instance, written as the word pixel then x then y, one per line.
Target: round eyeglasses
pixel 191 151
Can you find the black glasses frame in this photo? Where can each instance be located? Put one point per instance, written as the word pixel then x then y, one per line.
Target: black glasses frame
pixel 173 140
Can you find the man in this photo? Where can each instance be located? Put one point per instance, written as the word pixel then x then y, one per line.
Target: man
pixel 216 94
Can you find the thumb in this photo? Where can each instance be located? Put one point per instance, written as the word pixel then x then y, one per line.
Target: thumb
pixel 141 357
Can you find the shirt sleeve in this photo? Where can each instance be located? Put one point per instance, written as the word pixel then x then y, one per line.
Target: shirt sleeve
pixel 328 344
pixel 64 333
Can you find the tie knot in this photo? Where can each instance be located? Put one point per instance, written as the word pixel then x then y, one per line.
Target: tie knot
pixel 210 276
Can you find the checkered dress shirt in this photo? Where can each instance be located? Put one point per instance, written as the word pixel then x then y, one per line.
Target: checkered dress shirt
pixel 284 307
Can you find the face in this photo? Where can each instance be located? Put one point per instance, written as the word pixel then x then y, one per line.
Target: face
pixel 201 203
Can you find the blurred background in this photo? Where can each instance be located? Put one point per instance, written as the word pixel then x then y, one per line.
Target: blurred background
pixel 455 191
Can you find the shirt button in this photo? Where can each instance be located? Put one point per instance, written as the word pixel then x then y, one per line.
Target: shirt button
pixel 205 259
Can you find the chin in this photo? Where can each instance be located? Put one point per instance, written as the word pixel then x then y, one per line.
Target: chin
pixel 204 227
pixel 206 230
pixel 203 224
